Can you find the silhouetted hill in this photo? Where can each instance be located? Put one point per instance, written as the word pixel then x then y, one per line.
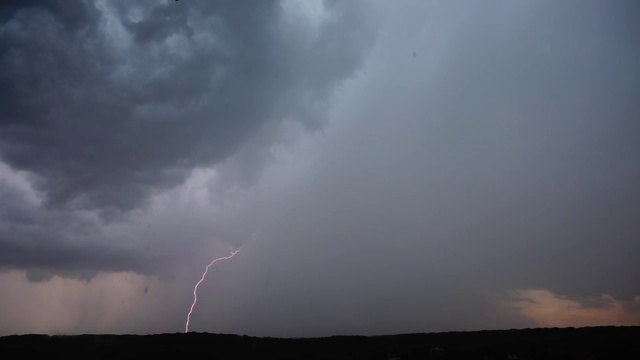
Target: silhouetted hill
pixel 546 343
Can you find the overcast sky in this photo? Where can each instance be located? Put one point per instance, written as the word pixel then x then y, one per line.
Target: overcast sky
pixel 385 167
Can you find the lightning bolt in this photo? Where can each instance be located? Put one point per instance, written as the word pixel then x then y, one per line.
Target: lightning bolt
pixel 195 289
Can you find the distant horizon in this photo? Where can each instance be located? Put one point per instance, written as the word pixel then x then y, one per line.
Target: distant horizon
pixel 330 336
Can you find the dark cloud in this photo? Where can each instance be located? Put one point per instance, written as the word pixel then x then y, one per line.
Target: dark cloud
pixel 106 111
pixel 106 103
pixel 73 14
pixel 62 242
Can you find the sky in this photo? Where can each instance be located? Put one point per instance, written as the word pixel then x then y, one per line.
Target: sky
pixel 383 167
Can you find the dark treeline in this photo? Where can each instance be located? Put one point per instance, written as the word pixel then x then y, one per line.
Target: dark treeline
pixel 544 343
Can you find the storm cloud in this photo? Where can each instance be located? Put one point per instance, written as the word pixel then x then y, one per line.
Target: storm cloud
pixel 106 103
